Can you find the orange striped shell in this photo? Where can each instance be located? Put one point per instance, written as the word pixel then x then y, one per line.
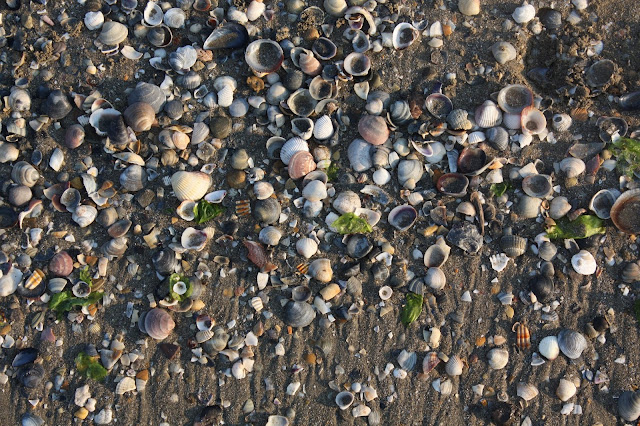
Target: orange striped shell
pixel 301 164
pixel 523 337
pixel 34 279
pixel 243 207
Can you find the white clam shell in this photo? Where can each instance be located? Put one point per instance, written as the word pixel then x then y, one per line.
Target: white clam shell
pixel 488 115
pixel 454 366
pixel 292 146
pixel 524 13
pixel 359 154
pixel 498 358
pixel 190 185
pixel 306 247
pixel 572 167
pixel 56 159
pixel 335 8
pixel 255 10
pixel 503 52
pixel 270 235
pixel 315 191
pixel 381 177
pixel 153 14
pixel 346 202
pixel 566 389
pixel 93 20
pixel 194 239
pixel 84 215
pixel 127 384
pixel 584 263
pixel 549 348
pixel 527 391
pixel 435 278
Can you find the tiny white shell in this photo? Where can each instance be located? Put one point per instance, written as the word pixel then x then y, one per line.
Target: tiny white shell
pixel 524 13
pixel 549 348
pixel 56 159
pixel 256 303
pixel 385 292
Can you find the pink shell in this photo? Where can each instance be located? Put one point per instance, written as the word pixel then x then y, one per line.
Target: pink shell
pixel 532 121
pixel 309 65
pixel 158 324
pixel 430 362
pixel 61 265
pixel 373 129
pixel 301 164
pixel 74 136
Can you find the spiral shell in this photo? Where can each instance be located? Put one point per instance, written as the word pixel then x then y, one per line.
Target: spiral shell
pixel 158 323
pixel 61 265
pixel 25 174
pixel 301 164
pixel 190 185
pixel 309 64
pixel 140 116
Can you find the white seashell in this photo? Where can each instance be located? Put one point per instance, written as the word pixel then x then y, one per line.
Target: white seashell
pixel 225 96
pixel 255 10
pixel 204 335
pixel 561 122
pixel 127 384
pixel 572 167
pixel 256 303
pixel 566 389
pixel 270 235
pixel 385 292
pixel 56 159
pixel 346 202
pixel 559 207
pixel 511 121
pixel 153 14
pixel 549 348
pixel 292 146
pixel 488 115
pixel 445 387
pixel 360 411
pixel 381 177
pixel 306 247
pixel 315 191
pixel 323 128
pixel 190 185
pixel 335 8
pixel 584 263
pixel 454 366
pixel 9 282
pixel 524 13
pixel 476 137
pixel 263 190
pixel 499 261
pixel 174 17
pixel 435 278
pixel 503 52
pixel 359 154
pixel 194 239
pixel 527 391
pixel 239 108
pixel 84 215
pixel 498 358
pixel 131 53
pixel 407 360
pixel 469 7
pixel 93 20
pixel 216 196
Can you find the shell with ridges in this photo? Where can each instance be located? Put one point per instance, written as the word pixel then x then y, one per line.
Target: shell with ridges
pixel 291 147
pixel 127 384
pixel 24 173
pixel 498 358
pixel 270 235
pixel 306 247
pixel 158 323
pixel 301 164
pixel 140 116
pixel 190 185
pixel 299 314
pixel 629 405
pixel 488 115
pixel 571 343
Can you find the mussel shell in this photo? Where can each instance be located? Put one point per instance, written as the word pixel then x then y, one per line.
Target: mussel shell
pixel 626 210
pixel 542 286
pixel 229 35
pixel 298 314
pixel 24 357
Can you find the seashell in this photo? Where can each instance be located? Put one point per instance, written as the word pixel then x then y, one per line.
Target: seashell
pixel 469 7
pixel 256 303
pixel 19 195
pixel 549 348
pixel 532 121
pixel 381 177
pixel 315 191
pixel 631 273
pixel 320 270
pixel 140 116
pixel 324 48
pixel 30 419
pixel 503 52
pixel 61 264
pixel 566 389
pixel 537 185
pixel 407 360
pixel 164 261
pixel 344 400
pixel 488 115
pixel 320 89
pixel 542 286
pixel 571 343
pixel 56 106
pixel 267 211
pixel 335 8
pixel 498 138
pixel 8 152
pixel 193 239
pixel 602 202
pixel 9 281
pixel 25 174
pixel 404 34
pixel 323 128
pixel 263 190
pixel 547 250
pixel 157 323
pixel 472 161
pixel 148 93
pixel 431 360
pixel 358 246
pixel 277 421
pixel 330 291
pixel 264 56
pixel 559 207
pixel 584 263
pixel 174 109
pixel 454 366
pixel 309 64
pixel 115 248
pixel 31 375
pixel 56 285
pixel 301 164
pixel 302 127
pixel 113 33
pixel 359 154
pixel 528 207
pixel 270 235
pixel 190 185
pixel 457 120
pixel 255 10
pixel 527 391
pixel 435 278
pixel 301 293
pixel 513 245
pixel 133 178
pixel 174 17
pixel 229 35
pixel 625 211
pixel 524 13
pixel 346 202
pixel 600 73
pixel 258 256
pixel 306 247
pixel 373 129
pixel 126 384
pixel 153 14
pixel 514 98
pixel 402 217
pixel 400 113
pixel 445 387
pixel 561 122
pixel 454 184
pixel 523 336
pixel 160 36
pixel 357 64
pixel 301 103
pixel 629 405
pixel 437 254
pixel 183 58
pixel 81 289
pixel 84 215
pixel 19 100
pixel 298 314
pixel 498 358
pixel 74 136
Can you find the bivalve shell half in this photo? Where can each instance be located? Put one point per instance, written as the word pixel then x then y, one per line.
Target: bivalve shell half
pixel 527 391
pixel 264 56
pixel 298 314
pixel 61 265
pixel 323 128
pixel 320 270
pixel 549 348
pixel 524 13
pixel 190 185
pixel 435 278
pixel 514 98
pixel 566 389
pixel 537 185
pixel 306 247
pixel 437 254
pixel 158 323
pixel 301 164
pixel 629 405
pixel 602 202
pixel 359 154
pixel 571 343
pixel 126 384
pixel 626 210
pixel 270 235
pixel 113 33
pixel 532 121
pixel 503 52
pixel 357 64
pixel 402 217
pixel 488 115
pixel 140 116
pixel 404 35
pixel 25 174
pixel 584 263
pixel 373 129
pixel 291 147
pixel 454 366
pixel 561 122
pixel 344 400
pixel 498 358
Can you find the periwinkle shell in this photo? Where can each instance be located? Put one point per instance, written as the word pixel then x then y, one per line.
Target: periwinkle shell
pixel 298 314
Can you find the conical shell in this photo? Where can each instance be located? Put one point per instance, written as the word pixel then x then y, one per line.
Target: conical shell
pixel 190 185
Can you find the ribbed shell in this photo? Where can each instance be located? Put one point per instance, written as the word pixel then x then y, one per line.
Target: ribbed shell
pixel 158 324
pixel 454 366
pixel 498 138
pixel 270 235
pixel 561 122
pixel 571 343
pixel 323 128
pixel 292 146
pixel 298 314
pixel 309 64
pixel 629 405
pixel 113 33
pixel 435 278
pixel 498 358
pixel 190 185
pixel 488 115
pixel 300 164
pixel 127 384
pixel 140 116
pixel 306 247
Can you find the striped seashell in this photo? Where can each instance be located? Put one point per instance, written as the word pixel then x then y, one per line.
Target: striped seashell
pixel 127 384
pixel 301 164
pixel 323 128
pixel 306 247
pixel 190 185
pixel 561 122
pixel 94 328
pixel 454 366
pixel 309 64
pixel 142 377
pixel 292 146
pixel 34 279
pixel 256 303
pixel 204 335
pixel 258 256
pixel 225 96
pixel 488 115
pixel 523 337
pixel 61 265
pixel 243 207
pixel 303 267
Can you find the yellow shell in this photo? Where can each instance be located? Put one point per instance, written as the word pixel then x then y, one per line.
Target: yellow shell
pixel 34 280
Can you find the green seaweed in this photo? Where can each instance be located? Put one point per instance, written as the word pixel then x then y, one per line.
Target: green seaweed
pixel 65 301
pixel 332 171
pixel 583 227
pixel 412 308
pixel 627 152
pixel 90 367
pixel 499 188
pixel 204 211
pixel 173 279
pixel 85 275
pixel 349 223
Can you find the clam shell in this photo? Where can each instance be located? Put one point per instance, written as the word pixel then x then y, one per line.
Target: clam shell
pixel 626 210
pixel 435 278
pixel 190 185
pixel 402 217
pixel 407 360
pixel 165 261
pixel 133 178
pixel 503 52
pixel 335 8
pixel 8 152
pixel 498 358
pixel 547 250
pixel 469 7
pixel 300 164
pixel 404 35
pixel 527 391
pixel 559 207
pixel 488 115
pixel 257 255
pixel 113 33
pixel 454 184
pixel 514 98
pixel 309 64
pixel 566 389
pixel 357 64
pixel 524 13
pixel 629 405
pixel 602 202
pixel 302 127
pixel 532 121
pixel 346 202
pixel 291 147
pixel 320 89
pixel 30 419
pixel 193 239
pixel 301 293
pixel 160 36
pixel 264 56
pixel 19 100
pixel 373 129
pixel 84 215
pixel 158 323
pixel 631 273
pixel 140 116
pixel 315 191
pixel 537 185
pixel 324 48
pixel 549 348
pixel 542 286
pixel 263 190
pixel 301 103
pixel 584 263
pixel 571 343
pixel 298 314
pixel 454 366
pixel 437 254
pixel 306 247
pixel 359 246
pixel 359 154
pixel 115 248
pixel 270 235
pixel 344 400
pixel 528 207
pixel 320 270
pixel 409 173
pixel 152 14
pixel 126 384
pixel 148 93
pixel 61 265
pixel 431 360
pixel 267 211
pixel 74 136
pixel 174 17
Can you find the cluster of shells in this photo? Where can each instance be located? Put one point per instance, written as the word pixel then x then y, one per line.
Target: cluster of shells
pixel 176 141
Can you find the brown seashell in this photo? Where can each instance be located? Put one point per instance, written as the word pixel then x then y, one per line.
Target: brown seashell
pixel 140 116
pixel 258 256
pixel 61 265
pixel 430 362
pixel 523 337
pixel 301 164
pixel 158 323
pixel 373 129
pixel 309 64
pixel 74 136
pixel 34 279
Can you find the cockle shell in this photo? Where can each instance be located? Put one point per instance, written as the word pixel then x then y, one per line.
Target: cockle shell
pixel 113 33
pixel 532 121
pixel 584 263
pixel 454 366
pixel 323 128
pixel 566 389
pixel 270 235
pixel 488 115
pixel 357 64
pixel 571 343
pixel 190 185
pixel 291 147
pixel 435 278
pixel 140 116
pixel 373 129
pixel 157 323
pixel 126 384
pixel 498 358
pixel 523 336
pixel 315 190
pixel 561 122
pixel 306 247
pixel 549 348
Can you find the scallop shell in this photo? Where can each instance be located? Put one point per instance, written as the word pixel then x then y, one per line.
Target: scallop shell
pixel 584 263
pixel 359 154
pixel 488 115
pixel 190 185
pixel 126 384
pixel 549 348
pixel 320 270
pixel 498 358
pixel 323 128
pixel 270 235
pixel 158 323
pixel 571 343
pixel 566 389
pixel 113 33
pixel 629 405
pixel 498 138
pixel 527 391
pixel 300 164
pixel 24 173
pixel 454 366
pixel 298 314
pixel 306 247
